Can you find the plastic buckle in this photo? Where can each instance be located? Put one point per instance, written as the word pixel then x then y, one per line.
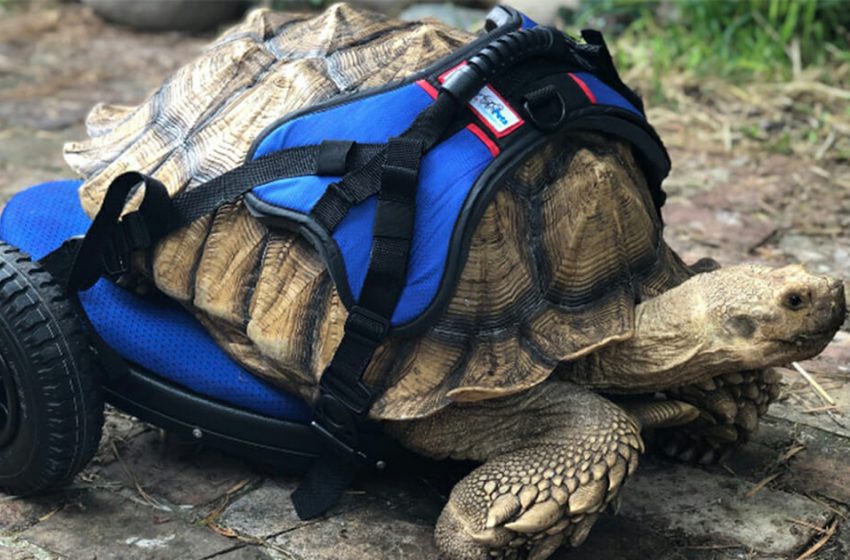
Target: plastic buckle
pixel 367 326
pixel 499 16
pixel 338 413
pixel 344 400
pixel 116 255
pixel 135 231
pixel 337 424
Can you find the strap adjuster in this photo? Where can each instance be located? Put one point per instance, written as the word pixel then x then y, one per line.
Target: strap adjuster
pixel 332 159
pixel 368 326
pixel 338 426
pixel 131 234
pixel 116 255
pixel 341 408
pixel 344 399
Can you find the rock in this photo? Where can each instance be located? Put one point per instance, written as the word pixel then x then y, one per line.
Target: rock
pixel 663 497
pixel 544 13
pixel 387 7
pixel 263 512
pixel 169 15
pixel 451 14
pixel 368 532
pixel 103 525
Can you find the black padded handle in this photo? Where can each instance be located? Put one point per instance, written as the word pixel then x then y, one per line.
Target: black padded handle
pixel 502 53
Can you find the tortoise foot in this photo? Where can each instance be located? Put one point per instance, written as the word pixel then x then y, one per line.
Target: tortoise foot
pixel 730 407
pixel 528 503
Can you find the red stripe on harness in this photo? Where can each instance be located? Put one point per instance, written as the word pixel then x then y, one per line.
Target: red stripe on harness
pixel 429 89
pixel 473 128
pixel 476 130
pixel 583 87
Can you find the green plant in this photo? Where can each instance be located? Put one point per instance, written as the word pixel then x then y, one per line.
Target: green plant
pixel 770 39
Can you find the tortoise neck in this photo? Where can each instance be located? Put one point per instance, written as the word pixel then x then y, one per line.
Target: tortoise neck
pixel 671 346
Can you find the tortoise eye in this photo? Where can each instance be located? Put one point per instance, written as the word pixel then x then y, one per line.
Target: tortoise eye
pixel 794 301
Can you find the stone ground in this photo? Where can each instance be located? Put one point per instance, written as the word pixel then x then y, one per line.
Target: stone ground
pixel 784 495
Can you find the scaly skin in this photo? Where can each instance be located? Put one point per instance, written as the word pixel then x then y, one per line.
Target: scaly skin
pixel 733 319
pixel 729 408
pixel 554 457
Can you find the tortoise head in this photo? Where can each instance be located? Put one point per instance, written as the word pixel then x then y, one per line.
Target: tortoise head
pixel 772 316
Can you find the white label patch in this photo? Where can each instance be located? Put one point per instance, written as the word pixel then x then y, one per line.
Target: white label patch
pixel 495 111
pixel 492 109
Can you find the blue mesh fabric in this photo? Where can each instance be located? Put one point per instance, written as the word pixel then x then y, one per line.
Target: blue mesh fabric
pixel 605 94
pixel 447 175
pixel 156 333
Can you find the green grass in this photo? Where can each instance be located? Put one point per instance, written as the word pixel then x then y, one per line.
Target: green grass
pixel 756 38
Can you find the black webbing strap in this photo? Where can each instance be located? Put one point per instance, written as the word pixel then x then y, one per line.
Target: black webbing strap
pixel 393 229
pixel 354 188
pixel 80 262
pixel 331 157
pixel 344 399
pixel 604 67
pixel 365 181
pixel 109 242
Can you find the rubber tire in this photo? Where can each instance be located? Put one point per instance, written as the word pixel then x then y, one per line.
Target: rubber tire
pixel 56 379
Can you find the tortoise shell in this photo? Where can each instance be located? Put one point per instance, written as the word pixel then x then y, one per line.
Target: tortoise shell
pixel 569 244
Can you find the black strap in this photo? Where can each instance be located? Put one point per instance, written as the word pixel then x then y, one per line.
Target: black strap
pixel 332 157
pixel 604 67
pixel 344 399
pixel 363 182
pixel 393 229
pixel 79 262
pixel 354 188
pixel 329 158
pixel 108 243
pixel 321 488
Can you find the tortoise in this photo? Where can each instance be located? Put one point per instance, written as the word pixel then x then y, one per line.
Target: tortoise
pixel 573 325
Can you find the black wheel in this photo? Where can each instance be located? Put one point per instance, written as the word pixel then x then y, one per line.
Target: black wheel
pixel 51 396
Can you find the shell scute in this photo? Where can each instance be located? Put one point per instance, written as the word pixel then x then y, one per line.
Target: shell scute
pixel 565 248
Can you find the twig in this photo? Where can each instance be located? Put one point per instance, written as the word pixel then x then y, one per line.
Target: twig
pixel 824 408
pixel 791 452
pixel 50 514
pixel 149 500
pixel 816 87
pixel 825 505
pixel 811 526
pixel 830 531
pixel 815 385
pixel 827 144
pixel 761 484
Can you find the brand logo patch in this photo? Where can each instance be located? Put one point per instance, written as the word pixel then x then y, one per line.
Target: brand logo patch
pixel 492 109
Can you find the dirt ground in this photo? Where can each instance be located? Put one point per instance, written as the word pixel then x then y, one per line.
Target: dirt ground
pixel 732 196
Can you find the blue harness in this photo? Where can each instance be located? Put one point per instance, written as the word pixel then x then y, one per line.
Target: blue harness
pixel 388 185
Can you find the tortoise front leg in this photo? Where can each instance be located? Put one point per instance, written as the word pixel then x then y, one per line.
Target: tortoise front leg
pixel 730 407
pixel 554 458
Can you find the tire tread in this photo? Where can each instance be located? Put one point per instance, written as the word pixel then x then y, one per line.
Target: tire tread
pixel 48 329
